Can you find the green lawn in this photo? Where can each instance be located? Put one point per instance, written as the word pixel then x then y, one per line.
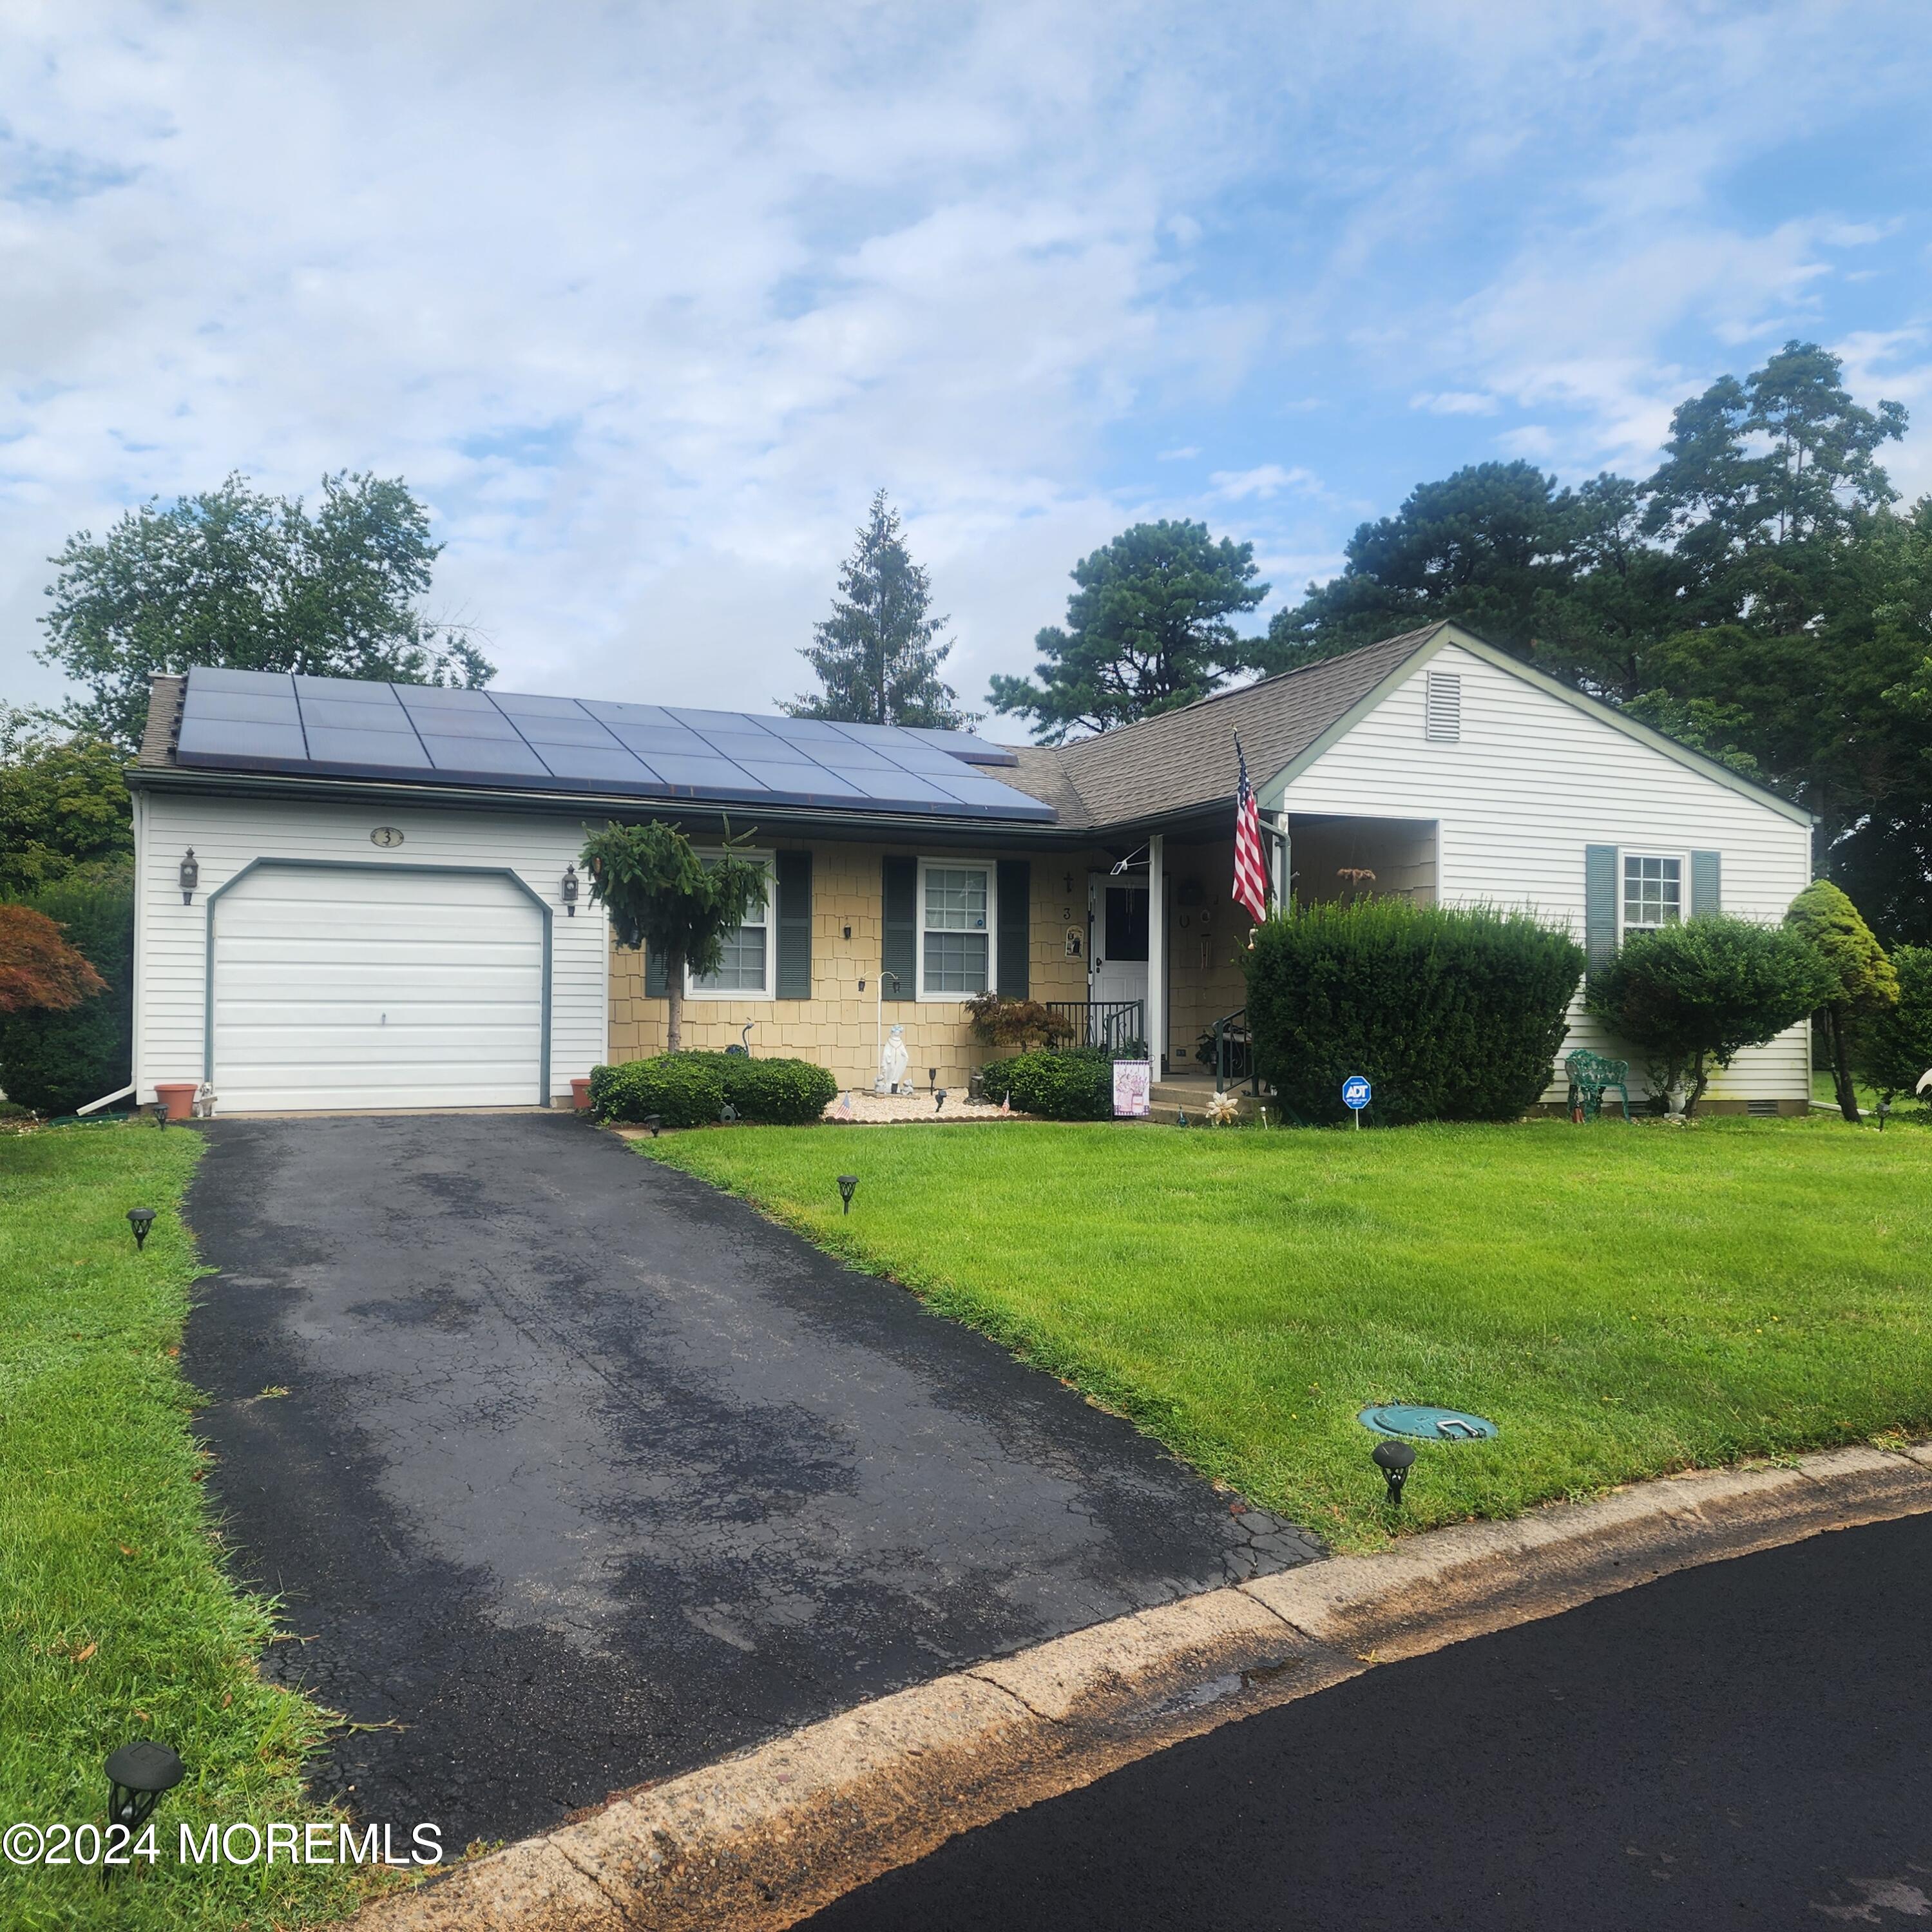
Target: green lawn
pixel 1623 1301
pixel 116 1620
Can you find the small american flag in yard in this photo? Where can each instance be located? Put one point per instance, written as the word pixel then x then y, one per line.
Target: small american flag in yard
pixel 1250 867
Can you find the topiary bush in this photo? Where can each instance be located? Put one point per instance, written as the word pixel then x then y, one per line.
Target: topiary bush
pixel 1453 1014
pixel 54 1062
pixel 1891 1050
pixel 1690 996
pixel 691 1090
pixel 777 1093
pixel 1075 1084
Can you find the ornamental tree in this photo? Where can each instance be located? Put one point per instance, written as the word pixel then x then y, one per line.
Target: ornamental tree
pixel 38 968
pixel 1862 981
pixel 1692 996
pixel 662 895
pixel 1891 1049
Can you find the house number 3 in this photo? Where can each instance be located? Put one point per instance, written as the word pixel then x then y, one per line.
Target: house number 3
pixel 386 836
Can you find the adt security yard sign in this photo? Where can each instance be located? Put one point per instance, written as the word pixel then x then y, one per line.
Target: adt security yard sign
pixel 1356 1094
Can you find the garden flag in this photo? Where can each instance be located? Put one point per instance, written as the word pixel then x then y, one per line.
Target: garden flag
pixel 1250 867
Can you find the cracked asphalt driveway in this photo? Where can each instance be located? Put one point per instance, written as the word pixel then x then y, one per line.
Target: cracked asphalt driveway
pixel 585 1473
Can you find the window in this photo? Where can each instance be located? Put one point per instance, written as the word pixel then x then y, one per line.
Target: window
pixel 955 930
pixel 1442 707
pixel 746 969
pixel 1653 892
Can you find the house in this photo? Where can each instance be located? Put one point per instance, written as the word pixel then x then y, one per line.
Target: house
pixel 363 895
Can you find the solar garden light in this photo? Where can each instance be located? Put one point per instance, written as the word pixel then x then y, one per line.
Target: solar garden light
pixel 161 1113
pixel 1393 1459
pixel 932 1078
pixel 654 1122
pixel 190 877
pixel 1884 1110
pixel 140 1219
pixel 570 890
pixel 139 1774
pixel 848 1186
pixel 938 1099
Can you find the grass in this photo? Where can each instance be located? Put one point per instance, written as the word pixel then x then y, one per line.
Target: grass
pixel 116 1620
pixel 1625 1301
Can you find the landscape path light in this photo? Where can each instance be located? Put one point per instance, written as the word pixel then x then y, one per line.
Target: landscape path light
pixel 140 1219
pixel 139 1774
pixel 1393 1460
pixel 848 1184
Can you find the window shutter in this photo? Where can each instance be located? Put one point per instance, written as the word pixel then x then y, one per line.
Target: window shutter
pixel 898 947
pixel 657 986
pixel 1706 883
pixel 1600 904
pixel 1016 897
pixel 794 919
pixel 1442 708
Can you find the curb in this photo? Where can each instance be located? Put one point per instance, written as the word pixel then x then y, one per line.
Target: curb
pixel 762 1839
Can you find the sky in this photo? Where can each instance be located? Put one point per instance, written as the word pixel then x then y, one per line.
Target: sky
pixel 645 302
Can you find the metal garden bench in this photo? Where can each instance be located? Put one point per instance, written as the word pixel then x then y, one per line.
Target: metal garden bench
pixel 1592 1076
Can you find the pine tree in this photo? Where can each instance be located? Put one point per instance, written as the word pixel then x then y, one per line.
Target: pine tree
pixel 878 655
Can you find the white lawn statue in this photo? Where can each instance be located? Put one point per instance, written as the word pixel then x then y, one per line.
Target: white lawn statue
pixel 892 1063
pixel 1925 1082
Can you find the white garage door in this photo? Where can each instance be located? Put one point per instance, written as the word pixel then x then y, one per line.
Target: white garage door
pixel 356 987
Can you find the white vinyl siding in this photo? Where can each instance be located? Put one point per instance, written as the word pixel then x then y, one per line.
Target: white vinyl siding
pixel 172 962
pixel 1532 782
pixel 956 929
pixel 358 988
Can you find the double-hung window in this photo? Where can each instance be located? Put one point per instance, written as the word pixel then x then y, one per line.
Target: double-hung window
pixel 1653 892
pixel 955 930
pixel 745 971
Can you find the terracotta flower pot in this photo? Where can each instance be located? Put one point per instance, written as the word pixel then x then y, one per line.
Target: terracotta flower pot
pixel 178 1096
pixel 579 1095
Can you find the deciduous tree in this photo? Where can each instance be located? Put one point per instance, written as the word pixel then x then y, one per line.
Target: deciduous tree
pixel 1861 981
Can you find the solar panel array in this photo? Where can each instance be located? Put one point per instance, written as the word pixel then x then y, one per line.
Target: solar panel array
pixel 277 721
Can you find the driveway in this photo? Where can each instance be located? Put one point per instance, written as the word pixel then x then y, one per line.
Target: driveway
pixel 585 1474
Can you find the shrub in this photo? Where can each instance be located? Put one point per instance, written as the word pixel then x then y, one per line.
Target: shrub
pixel 683 1090
pixel 777 1093
pixel 1453 1014
pixel 1000 1020
pixel 1892 1049
pixel 55 1061
pixel 690 1090
pixel 1077 1084
pixel 1690 997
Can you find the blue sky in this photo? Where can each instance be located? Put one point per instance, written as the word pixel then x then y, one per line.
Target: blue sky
pixel 645 302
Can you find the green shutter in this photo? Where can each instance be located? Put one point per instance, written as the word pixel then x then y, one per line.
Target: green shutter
pixel 656 985
pixel 1600 903
pixel 794 974
pixel 1706 883
pixel 1015 896
pixel 898 950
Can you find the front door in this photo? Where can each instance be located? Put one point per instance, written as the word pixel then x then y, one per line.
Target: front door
pixel 1117 947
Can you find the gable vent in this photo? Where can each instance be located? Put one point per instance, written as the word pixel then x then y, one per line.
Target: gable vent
pixel 1443 707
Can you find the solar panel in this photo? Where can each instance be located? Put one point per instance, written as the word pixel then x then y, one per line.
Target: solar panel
pixel 272 721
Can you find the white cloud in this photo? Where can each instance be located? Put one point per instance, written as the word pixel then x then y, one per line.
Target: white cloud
pixel 1268 479
pixel 1454 403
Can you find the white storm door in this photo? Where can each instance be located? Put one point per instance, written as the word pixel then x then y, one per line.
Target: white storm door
pixel 376 986
pixel 1117 951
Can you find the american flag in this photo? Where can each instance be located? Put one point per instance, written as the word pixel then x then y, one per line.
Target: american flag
pixel 1250 867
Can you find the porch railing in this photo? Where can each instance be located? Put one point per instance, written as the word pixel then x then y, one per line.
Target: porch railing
pixel 1234 1052
pixel 1112 1024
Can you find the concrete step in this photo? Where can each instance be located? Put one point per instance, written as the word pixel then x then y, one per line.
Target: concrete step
pixel 1168 1101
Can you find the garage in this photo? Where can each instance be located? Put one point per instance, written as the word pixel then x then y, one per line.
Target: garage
pixel 340 984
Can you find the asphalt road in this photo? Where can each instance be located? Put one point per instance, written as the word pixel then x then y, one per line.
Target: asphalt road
pixel 581 1473
pixel 1747 1745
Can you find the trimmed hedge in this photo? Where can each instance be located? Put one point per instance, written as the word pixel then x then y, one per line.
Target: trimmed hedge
pixel 691 1090
pixel 1075 1084
pixel 1453 1013
pixel 55 1062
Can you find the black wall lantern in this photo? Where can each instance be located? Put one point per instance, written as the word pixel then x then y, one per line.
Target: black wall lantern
pixel 190 877
pixel 570 890
pixel 140 1219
